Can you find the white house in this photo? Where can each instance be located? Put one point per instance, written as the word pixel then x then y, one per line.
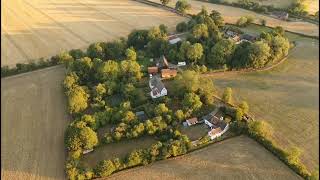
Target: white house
pixel 174 39
pixel 217 132
pixel 157 87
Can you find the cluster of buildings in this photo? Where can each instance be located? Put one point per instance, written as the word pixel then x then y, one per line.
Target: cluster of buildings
pixel 280 15
pixel 239 38
pixel 214 120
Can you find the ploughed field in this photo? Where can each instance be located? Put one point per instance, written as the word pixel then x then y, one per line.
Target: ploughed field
pixel 235 158
pixel 232 14
pixel 287 97
pixel 33 121
pixel 32 29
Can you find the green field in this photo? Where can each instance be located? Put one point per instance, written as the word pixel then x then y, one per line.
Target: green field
pixel 286 97
pixel 235 158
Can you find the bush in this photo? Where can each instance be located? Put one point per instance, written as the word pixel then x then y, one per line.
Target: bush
pixel 182 27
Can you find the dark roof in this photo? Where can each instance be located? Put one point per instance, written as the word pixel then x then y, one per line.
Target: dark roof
pixel 157 83
pixel 248 37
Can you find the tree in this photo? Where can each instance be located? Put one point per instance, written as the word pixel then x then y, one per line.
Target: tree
pixel 259 54
pixel 227 95
pixel 315 174
pixel 157 33
pixel 134 158
pixel 184 47
pixel 130 71
pixel 260 128
pixel 206 90
pixel 280 47
pixel 77 99
pixel 195 52
pixel 80 137
pixel 164 2
pixel 161 109
pixel 96 50
pixel 115 50
pixel 65 58
pixel 71 81
pixel 221 53
pixel 109 70
pixel 105 168
pixel 192 101
pixel 77 53
pixel 179 115
pixel 293 155
pixel 239 114
pixel 131 54
pixel 298 8
pixel 217 18
pixel 278 30
pixel 263 22
pixel 182 6
pixel 157 47
pixel 242 21
pixel 187 81
pixel 182 27
pixel 138 39
pixel 163 28
pixel 200 31
pixel 244 106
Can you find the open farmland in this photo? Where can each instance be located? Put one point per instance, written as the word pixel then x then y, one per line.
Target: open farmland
pixel 33 29
pixel 232 14
pixel 312 5
pixel 287 97
pixel 33 121
pixel 236 158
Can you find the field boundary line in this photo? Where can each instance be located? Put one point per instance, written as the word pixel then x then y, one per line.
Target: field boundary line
pixel 168 8
pixel 37 70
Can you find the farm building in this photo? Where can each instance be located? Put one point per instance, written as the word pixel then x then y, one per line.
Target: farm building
pixel 141 115
pixel 168 73
pixel 192 121
pixel 174 39
pixel 232 35
pixel 153 70
pixel 157 87
pixel 248 37
pixel 280 15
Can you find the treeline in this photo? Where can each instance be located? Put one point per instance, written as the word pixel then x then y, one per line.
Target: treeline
pixel 297 8
pixel 173 144
pixel 205 45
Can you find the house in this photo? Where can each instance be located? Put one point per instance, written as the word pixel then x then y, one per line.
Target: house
pixel 192 121
pixel 168 73
pixel 174 39
pixel 162 62
pixel 280 15
pixel 141 116
pixel 216 123
pixel 232 35
pixel 157 87
pixel 153 70
pixel 248 37
pixel 182 63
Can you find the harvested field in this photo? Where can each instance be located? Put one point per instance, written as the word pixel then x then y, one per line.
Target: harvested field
pixel 236 158
pixel 232 14
pixel 34 29
pixel 33 121
pixel 287 97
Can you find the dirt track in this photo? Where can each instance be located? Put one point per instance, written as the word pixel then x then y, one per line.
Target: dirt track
pixel 32 29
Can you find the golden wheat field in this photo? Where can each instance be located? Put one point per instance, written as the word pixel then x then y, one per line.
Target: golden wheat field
pixel 33 29
pixel 236 158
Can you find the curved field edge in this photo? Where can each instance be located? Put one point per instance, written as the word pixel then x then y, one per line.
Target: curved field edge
pixel 236 158
pixel 286 96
